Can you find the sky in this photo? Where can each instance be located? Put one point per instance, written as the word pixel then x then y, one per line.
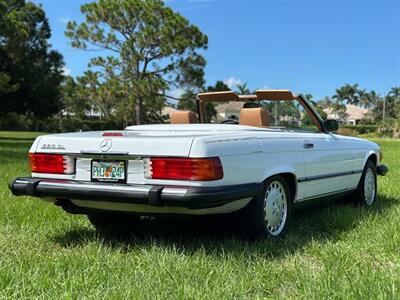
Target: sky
pixel 309 46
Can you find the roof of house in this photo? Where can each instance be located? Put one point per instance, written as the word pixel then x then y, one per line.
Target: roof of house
pixel 352 112
pixel 355 112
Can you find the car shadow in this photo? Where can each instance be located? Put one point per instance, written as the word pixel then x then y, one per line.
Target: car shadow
pixel 218 236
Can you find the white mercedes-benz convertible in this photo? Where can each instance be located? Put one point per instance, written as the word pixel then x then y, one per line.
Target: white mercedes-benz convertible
pixel 259 165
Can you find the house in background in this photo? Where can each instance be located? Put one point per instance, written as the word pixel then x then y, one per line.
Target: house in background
pixel 351 116
pixel 230 110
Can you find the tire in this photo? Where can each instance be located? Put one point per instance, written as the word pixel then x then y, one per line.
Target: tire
pixel 366 192
pixel 114 224
pixel 268 214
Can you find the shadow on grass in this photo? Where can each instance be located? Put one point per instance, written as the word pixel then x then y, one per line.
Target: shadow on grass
pixel 216 235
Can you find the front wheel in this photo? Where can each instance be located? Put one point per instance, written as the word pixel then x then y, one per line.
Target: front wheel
pixel 367 187
pixel 268 214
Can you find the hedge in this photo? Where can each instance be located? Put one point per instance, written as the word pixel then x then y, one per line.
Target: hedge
pixel 358 129
pixel 15 122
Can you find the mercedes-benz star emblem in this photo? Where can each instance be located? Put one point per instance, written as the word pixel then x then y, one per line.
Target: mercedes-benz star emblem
pixel 105 145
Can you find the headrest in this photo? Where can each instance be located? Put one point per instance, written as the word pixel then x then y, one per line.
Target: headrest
pixel 257 117
pixel 184 117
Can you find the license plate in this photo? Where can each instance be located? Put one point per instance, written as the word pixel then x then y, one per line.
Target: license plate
pixel 108 171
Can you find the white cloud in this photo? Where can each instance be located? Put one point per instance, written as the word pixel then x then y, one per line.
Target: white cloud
pixel 64 20
pixel 66 71
pixel 232 82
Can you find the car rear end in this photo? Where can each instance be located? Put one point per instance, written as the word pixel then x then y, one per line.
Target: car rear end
pixel 125 171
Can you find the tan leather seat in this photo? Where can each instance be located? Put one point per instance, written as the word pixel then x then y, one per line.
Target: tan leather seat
pixel 257 117
pixel 184 117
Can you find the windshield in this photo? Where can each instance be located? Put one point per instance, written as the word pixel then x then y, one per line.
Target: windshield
pixel 280 114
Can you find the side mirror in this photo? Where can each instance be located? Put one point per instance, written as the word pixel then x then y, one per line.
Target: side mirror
pixel 331 125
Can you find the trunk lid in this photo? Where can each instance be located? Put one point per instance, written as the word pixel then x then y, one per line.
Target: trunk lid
pixel 132 143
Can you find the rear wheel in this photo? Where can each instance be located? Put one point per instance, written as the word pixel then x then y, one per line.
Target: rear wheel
pixel 367 187
pixel 268 214
pixel 114 223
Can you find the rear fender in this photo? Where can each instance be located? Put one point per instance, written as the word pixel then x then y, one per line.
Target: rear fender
pixel 283 170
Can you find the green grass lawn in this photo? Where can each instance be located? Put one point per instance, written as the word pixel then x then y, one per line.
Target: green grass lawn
pixel 334 251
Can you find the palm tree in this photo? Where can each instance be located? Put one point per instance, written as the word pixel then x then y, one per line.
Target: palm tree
pixel 371 99
pixel 394 101
pixel 309 97
pixel 395 92
pixel 362 95
pixel 325 102
pixel 242 89
pixel 341 97
pixel 347 94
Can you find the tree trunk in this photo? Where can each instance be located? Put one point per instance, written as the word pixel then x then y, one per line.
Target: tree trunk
pixel 138 110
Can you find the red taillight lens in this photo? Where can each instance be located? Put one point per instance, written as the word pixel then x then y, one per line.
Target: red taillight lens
pixel 52 163
pixel 201 169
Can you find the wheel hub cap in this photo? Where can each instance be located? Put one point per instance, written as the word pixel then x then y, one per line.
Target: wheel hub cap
pixel 275 207
pixel 369 187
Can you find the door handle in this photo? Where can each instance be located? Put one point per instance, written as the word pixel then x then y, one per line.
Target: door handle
pixel 308 145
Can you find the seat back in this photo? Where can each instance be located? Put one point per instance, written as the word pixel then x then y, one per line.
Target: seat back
pixel 257 117
pixel 184 117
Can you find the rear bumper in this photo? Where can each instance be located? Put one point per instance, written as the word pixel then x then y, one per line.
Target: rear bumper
pixel 189 197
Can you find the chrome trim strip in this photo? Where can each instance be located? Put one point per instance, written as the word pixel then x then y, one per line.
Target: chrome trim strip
pixel 329 175
pixel 87 186
pixel 97 186
pixel 105 155
pixel 326 194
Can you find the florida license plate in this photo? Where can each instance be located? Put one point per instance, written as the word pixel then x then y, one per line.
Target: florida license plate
pixel 108 171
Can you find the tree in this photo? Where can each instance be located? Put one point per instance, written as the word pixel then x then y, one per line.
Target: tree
pixel 395 95
pixel 306 119
pixel 150 48
pixel 30 73
pixel 347 94
pixel 395 92
pixel 242 89
pixel 325 102
pixel 392 105
pixel 73 100
pixel 105 94
pixel 219 86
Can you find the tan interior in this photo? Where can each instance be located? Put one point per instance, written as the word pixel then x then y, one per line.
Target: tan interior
pixel 257 117
pixel 184 117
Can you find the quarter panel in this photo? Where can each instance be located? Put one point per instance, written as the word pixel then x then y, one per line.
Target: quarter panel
pixel 243 162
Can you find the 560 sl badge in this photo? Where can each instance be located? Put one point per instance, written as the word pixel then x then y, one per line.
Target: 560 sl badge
pixel 53 146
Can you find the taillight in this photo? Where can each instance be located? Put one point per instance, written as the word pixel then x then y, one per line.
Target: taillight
pixel 52 163
pixel 202 169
